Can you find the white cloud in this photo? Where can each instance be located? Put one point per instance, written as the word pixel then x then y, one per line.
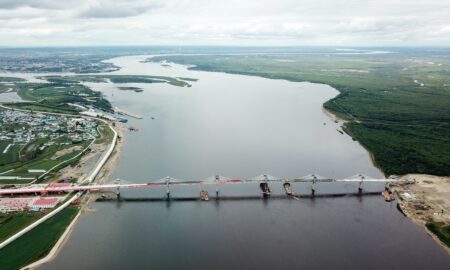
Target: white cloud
pixel 262 22
pixel 39 4
pixel 115 9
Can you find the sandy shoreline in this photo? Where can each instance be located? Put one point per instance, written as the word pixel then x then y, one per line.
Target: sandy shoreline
pixel 427 199
pixel 111 164
pixel 332 116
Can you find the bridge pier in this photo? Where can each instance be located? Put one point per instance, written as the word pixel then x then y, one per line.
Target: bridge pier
pixel 217 178
pixel 313 187
pixel 168 188
pixel 118 189
pixel 360 189
pixel 265 187
pixel 118 193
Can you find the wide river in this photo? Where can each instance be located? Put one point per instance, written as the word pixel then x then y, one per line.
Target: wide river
pixel 239 126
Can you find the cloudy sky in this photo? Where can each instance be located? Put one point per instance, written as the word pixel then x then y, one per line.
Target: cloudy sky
pixel 224 22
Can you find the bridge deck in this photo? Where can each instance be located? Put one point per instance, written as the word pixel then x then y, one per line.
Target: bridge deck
pixel 221 184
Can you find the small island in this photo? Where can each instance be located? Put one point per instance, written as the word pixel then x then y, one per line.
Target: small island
pixel 131 88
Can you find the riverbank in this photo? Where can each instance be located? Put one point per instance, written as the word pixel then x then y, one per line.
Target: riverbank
pixel 51 255
pixel 85 165
pixel 427 202
pixel 333 116
pixel 103 174
pixel 38 241
pixel 108 167
pixel 342 121
pixel 62 240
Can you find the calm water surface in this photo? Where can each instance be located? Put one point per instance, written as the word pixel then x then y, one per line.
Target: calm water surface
pixel 240 126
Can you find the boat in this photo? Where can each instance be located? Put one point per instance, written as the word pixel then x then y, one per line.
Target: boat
pixel 123 120
pixel 204 195
pixel 388 195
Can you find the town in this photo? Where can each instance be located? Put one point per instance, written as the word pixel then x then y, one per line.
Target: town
pixel 23 127
pixel 35 144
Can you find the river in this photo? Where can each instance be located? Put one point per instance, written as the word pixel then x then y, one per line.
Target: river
pixel 239 126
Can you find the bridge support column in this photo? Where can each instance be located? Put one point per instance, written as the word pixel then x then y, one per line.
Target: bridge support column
pixel 118 194
pixel 360 189
pixel 168 193
pixel 167 188
pixel 313 186
pixel 217 178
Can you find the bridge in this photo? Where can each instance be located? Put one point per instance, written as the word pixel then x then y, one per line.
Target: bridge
pixel 218 182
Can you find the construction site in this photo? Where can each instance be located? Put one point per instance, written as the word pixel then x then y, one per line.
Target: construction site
pixel 427 203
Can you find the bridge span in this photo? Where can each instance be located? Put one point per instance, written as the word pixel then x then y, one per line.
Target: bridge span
pixel 263 181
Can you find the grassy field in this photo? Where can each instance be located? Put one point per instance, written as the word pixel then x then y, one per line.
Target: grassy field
pixel 441 230
pixel 43 108
pixel 36 243
pixel 12 155
pixel 397 104
pixel 43 160
pixel 54 97
pixel 12 223
pixel 122 79
pixel 106 134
